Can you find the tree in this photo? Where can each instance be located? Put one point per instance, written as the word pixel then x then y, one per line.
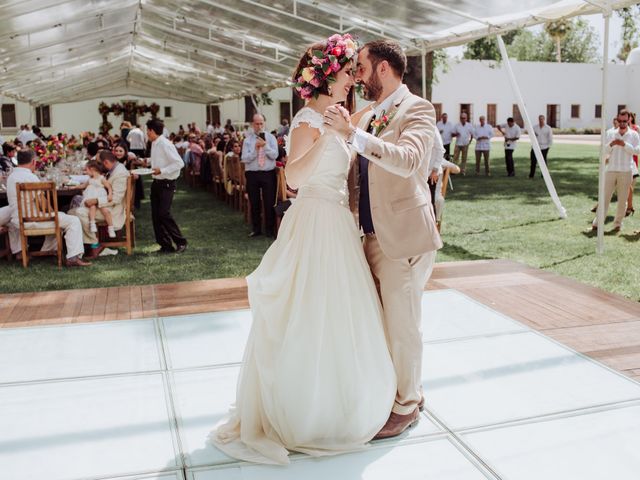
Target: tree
pixel 558 30
pixel 630 18
pixel 486 48
pixel 579 45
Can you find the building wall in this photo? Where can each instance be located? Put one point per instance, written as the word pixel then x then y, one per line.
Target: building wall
pixel 482 82
pixel 468 81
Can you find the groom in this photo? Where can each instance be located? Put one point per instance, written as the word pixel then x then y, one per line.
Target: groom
pixel 393 139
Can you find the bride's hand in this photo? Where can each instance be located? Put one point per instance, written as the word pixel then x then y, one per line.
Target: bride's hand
pixel 338 120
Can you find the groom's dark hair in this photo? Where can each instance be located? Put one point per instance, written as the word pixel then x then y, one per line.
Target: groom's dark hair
pixel 380 50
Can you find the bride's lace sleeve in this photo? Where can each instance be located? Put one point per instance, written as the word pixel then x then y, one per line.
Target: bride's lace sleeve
pixel 305 115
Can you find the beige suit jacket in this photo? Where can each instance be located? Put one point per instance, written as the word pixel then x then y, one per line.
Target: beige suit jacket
pixel 399 193
pixel 119 179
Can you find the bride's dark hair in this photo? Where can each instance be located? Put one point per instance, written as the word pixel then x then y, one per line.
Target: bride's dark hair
pixel 319 64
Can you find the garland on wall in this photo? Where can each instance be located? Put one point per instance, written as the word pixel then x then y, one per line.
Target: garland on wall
pixel 128 108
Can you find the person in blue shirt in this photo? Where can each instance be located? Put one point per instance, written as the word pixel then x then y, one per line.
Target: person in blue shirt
pixel 259 154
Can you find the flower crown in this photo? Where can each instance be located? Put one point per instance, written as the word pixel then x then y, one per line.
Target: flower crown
pixel 323 64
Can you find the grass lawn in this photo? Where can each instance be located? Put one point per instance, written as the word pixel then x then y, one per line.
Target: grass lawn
pixel 485 218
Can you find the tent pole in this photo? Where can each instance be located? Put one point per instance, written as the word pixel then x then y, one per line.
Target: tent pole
pixel 424 71
pixel 603 135
pixel 529 126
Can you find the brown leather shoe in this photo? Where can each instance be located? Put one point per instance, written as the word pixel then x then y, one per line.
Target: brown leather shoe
pixel 398 424
pixel 94 252
pixel 77 262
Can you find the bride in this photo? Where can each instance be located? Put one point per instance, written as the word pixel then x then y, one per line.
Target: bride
pixel 317 375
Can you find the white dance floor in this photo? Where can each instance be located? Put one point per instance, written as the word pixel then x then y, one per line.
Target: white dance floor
pixel 135 400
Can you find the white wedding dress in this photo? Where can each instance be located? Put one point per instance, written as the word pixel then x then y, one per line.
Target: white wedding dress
pixel 317 375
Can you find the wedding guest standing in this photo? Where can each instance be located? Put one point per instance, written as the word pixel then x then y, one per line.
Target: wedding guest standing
pixel 483 133
pixel 545 140
pixel 445 127
pixel 259 154
pixel 136 140
pixel 511 133
pixel 166 165
pixel 463 131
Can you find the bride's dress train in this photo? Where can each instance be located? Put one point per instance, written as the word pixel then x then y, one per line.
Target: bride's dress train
pixel 316 376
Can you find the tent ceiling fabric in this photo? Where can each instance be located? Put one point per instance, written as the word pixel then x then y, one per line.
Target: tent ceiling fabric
pixel 203 51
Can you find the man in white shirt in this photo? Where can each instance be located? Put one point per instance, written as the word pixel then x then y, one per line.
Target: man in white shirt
pixel 26 135
pixel 483 133
pixel 210 129
pixel 70 225
pixel 445 127
pixel 544 134
pixel 511 133
pixel 463 132
pixel 622 145
pixel 166 165
pixel 137 142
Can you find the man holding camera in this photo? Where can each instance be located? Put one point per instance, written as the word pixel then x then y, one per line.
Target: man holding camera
pixel 259 154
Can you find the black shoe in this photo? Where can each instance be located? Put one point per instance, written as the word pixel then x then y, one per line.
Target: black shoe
pixel 255 234
pixel 165 250
pixel 181 248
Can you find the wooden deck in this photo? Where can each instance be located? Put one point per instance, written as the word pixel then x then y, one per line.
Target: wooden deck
pixel 601 325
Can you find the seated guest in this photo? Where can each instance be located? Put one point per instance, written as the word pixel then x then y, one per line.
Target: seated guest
pixel 92 150
pixel 132 162
pixel 8 158
pixel 118 177
pixel 69 224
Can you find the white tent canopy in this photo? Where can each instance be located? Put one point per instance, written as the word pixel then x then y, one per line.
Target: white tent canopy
pixel 203 51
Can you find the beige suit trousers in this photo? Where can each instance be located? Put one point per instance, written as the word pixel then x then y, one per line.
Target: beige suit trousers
pixel 400 284
pixel 620 182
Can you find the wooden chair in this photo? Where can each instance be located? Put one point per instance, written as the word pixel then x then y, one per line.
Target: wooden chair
pixel 126 237
pixel 446 173
pixel 38 204
pixel 5 250
pixel 281 193
pixel 217 174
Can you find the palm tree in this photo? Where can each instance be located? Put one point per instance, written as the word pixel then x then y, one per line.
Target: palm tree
pixel 558 30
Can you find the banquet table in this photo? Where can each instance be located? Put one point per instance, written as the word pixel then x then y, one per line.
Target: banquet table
pixel 65 194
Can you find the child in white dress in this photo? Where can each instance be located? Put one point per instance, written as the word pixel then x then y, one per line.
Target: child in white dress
pixel 98 188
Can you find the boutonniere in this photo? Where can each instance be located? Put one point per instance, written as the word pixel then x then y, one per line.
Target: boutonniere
pixel 379 124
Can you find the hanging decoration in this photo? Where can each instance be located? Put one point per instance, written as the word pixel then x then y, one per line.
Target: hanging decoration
pixel 128 108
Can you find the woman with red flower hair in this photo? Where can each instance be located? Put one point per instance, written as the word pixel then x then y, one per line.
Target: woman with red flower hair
pixel 317 376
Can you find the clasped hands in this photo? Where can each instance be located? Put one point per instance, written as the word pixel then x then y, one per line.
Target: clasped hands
pixel 338 119
pixel 618 142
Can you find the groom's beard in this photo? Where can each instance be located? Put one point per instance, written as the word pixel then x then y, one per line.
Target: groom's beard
pixel 372 89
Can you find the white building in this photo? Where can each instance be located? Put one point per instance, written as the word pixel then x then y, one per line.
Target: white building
pixel 568 94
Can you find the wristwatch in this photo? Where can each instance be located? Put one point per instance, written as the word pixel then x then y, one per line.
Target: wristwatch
pixel 352 135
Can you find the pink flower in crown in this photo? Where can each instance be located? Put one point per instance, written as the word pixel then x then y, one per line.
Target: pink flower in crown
pixel 336 37
pixel 307 92
pixel 335 67
pixel 317 61
pixel 315 81
pixel 337 51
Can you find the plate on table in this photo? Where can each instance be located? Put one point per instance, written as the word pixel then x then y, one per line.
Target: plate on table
pixel 142 171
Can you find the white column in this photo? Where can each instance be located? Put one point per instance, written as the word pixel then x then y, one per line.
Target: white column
pixel 603 134
pixel 529 126
pixel 424 71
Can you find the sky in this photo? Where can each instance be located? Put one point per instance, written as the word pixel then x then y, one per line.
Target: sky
pixel 596 21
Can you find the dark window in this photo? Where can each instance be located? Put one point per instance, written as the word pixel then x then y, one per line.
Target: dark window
pixel 249 109
pixel 167 112
pixel 297 102
pixel 9 115
pixel 517 116
pixel 553 115
pixel 213 114
pixel 491 114
pixel 43 116
pixel 468 109
pixel 438 107
pixel 575 111
pixel 598 111
pixel 285 111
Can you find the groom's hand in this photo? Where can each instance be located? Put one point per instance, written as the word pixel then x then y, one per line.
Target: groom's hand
pixel 338 119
